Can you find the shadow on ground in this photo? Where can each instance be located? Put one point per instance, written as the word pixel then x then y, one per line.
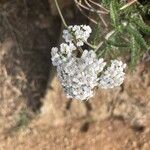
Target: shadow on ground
pixel 33 31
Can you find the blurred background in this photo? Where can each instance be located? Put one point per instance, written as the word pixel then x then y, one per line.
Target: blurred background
pixel 34 112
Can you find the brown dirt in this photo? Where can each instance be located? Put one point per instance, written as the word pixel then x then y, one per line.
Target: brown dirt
pixel 34 113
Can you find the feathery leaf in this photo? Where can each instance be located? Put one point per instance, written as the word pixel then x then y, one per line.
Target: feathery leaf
pixel 138 37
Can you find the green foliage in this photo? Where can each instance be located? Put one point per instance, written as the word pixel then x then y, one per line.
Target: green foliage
pixel 105 3
pixel 96 35
pixel 114 13
pixel 138 37
pixel 130 31
pixel 117 40
pixel 22 120
pixel 142 26
pixel 134 51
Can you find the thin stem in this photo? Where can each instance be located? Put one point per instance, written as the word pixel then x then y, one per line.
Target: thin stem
pixel 89 9
pixel 128 4
pixel 65 24
pixel 92 20
pixel 103 21
pixel 78 47
pixel 99 15
pixel 83 6
pixel 98 5
pixel 98 46
pixel 92 46
pixel 108 35
pixel 87 3
pixel 62 18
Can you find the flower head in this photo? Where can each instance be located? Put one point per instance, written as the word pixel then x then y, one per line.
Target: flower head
pixel 79 76
pixel 65 52
pixel 113 76
pixel 79 33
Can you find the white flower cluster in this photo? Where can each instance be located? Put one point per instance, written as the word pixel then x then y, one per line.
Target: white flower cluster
pixel 60 56
pixel 80 75
pixel 78 33
pixel 113 76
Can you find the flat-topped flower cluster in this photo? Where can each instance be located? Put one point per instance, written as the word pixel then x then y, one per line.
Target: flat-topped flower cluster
pixel 78 33
pixel 80 75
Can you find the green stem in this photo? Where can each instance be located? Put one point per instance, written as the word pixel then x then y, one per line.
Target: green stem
pixel 92 46
pixel 108 35
pixel 62 18
pixel 128 4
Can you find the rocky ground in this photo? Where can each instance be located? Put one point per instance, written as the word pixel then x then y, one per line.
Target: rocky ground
pixel 34 113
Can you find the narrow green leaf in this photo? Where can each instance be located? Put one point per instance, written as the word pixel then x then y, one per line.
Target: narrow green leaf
pixel 138 37
pixel 96 35
pixel 116 44
pixel 113 12
pixel 142 26
pixel 134 51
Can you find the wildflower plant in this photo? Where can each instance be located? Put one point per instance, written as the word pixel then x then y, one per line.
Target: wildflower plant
pixel 80 70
